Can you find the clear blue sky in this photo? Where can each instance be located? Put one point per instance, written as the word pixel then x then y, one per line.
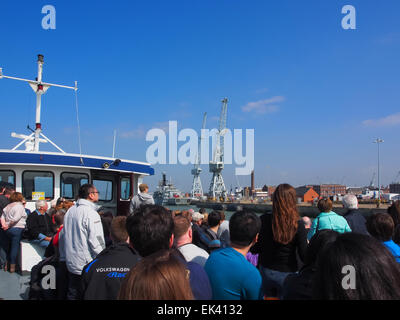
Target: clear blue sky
pixel 140 64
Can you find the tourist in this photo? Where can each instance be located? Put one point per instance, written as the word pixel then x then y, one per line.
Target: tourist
pixel 142 198
pixel 151 228
pixel 53 249
pixel 159 276
pixel 282 235
pixel 81 238
pixel 40 227
pixel 106 220
pixel 28 212
pixel 13 221
pixel 298 286
pixel 223 231
pixel 353 216
pixel 183 237
pixel 103 276
pixel 6 189
pixel 307 222
pixel 214 221
pixel 204 224
pixel 394 211
pixel 60 201
pixel 232 277
pixel 381 227
pixel 327 219
pixel 199 238
pixel 356 267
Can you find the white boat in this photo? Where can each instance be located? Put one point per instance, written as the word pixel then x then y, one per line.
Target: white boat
pixel 50 175
pixel 168 194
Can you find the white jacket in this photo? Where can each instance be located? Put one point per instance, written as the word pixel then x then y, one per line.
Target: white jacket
pixel 82 237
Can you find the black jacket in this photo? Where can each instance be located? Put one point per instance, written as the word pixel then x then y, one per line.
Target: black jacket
pixel 298 286
pixel 205 238
pixel 36 223
pixel 356 221
pixel 278 256
pixel 102 278
pixel 4 201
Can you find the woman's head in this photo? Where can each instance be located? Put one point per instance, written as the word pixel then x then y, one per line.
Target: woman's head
pixel 285 215
pixel 16 197
pixel 59 217
pixel 159 276
pixel 325 205
pixel 66 204
pixel 356 267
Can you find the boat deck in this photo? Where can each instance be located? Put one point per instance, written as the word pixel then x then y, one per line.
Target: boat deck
pixel 14 286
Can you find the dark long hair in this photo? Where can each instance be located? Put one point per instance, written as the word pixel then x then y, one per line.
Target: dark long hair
pixel 320 240
pixel 377 274
pixel 285 216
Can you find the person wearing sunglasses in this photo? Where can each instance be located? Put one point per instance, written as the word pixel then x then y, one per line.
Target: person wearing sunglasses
pixel 82 237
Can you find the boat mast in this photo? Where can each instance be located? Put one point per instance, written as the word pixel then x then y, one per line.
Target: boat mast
pixel 33 140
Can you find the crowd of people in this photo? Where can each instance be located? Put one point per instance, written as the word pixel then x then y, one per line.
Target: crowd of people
pixel 158 254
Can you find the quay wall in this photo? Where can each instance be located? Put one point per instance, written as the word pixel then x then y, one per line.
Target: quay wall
pixel 309 211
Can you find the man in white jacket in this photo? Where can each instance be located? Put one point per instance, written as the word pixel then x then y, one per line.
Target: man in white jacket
pixel 82 237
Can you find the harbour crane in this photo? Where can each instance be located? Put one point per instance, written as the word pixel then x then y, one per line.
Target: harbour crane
pixel 197 188
pixel 371 184
pixel 396 180
pixel 217 186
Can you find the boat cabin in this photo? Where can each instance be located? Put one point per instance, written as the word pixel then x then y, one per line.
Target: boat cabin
pixel 49 175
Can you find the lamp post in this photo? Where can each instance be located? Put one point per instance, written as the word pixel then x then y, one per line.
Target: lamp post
pixel 378 141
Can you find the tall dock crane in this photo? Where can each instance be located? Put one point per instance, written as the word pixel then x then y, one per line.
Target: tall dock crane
pixel 217 185
pixel 197 188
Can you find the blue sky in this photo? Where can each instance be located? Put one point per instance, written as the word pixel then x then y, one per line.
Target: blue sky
pixel 319 94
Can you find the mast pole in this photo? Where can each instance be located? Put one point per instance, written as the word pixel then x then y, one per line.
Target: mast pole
pixel 39 93
pixel 32 141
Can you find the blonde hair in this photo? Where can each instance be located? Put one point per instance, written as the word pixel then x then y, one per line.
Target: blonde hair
pixel 143 187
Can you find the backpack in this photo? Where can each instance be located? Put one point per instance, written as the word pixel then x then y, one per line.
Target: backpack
pixel 36 291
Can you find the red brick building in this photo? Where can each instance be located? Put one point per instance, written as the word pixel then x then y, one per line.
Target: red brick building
pixel 328 190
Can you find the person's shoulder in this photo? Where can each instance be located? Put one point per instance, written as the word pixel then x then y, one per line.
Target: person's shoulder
pixel 88 267
pixel 301 225
pixel 192 247
pixel 266 217
pixel 34 214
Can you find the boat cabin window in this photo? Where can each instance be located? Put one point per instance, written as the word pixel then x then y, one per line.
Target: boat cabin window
pixel 125 188
pixel 34 182
pixel 7 176
pixel 105 189
pixel 71 182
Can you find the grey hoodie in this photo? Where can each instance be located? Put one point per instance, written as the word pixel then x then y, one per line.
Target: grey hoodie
pixel 139 199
